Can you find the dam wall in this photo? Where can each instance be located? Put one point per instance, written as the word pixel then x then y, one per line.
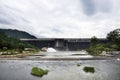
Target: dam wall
pixel 62 44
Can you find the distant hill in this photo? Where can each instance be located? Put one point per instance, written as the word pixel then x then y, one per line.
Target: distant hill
pixel 16 34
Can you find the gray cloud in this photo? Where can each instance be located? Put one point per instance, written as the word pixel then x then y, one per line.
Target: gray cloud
pixel 4 21
pixel 74 18
pixel 57 30
pixel 88 7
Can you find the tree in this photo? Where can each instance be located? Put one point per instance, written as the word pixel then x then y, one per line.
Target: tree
pixel 114 36
pixel 94 41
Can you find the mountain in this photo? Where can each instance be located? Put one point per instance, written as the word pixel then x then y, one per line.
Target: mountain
pixel 16 34
pixel 10 39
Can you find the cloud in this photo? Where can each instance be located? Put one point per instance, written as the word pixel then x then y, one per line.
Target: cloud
pixel 58 18
pixel 88 7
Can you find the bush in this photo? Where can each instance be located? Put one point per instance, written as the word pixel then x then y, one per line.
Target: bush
pixel 89 69
pixel 38 71
pixel 97 49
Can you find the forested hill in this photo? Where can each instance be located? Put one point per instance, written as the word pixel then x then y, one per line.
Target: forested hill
pixel 16 34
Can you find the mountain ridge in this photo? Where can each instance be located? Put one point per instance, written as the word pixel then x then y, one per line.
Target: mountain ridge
pixel 18 34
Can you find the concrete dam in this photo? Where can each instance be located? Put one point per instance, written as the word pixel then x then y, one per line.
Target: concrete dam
pixel 70 44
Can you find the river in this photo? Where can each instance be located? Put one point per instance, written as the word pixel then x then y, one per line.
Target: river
pixel 107 69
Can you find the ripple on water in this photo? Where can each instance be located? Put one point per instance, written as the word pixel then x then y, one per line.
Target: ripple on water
pixel 16 69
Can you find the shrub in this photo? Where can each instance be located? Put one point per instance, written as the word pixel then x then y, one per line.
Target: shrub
pixel 97 49
pixel 89 69
pixel 38 71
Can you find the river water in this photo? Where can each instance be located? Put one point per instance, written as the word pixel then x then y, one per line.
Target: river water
pixel 60 69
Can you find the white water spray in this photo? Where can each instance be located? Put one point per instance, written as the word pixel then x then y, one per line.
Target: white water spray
pixel 50 49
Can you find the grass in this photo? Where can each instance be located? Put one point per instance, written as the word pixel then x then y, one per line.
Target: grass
pixel 89 69
pixel 38 71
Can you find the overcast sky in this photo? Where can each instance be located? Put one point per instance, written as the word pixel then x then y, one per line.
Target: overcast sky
pixel 61 18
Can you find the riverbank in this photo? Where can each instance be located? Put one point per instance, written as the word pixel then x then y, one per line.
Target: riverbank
pixel 16 54
pixel 70 55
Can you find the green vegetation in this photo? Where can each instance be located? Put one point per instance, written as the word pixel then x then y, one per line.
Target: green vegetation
pixel 10 45
pixel 94 41
pixel 38 72
pixel 114 39
pixel 113 43
pixel 16 34
pixel 78 65
pixel 97 49
pixel 89 69
pixel 4 48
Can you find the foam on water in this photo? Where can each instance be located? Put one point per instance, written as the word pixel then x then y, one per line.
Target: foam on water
pixel 66 54
pixel 50 49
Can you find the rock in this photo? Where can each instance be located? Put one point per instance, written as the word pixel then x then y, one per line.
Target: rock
pixel 104 53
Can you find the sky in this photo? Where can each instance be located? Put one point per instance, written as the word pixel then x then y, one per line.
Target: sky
pixel 61 18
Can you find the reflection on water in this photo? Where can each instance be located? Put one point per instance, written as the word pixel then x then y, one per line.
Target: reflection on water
pixel 60 70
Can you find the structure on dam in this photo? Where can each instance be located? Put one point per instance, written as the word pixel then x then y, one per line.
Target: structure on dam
pixel 71 44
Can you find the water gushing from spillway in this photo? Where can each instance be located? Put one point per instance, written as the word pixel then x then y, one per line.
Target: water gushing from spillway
pixel 50 49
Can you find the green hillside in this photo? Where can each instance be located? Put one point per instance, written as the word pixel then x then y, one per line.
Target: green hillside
pixel 10 39
pixel 16 34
